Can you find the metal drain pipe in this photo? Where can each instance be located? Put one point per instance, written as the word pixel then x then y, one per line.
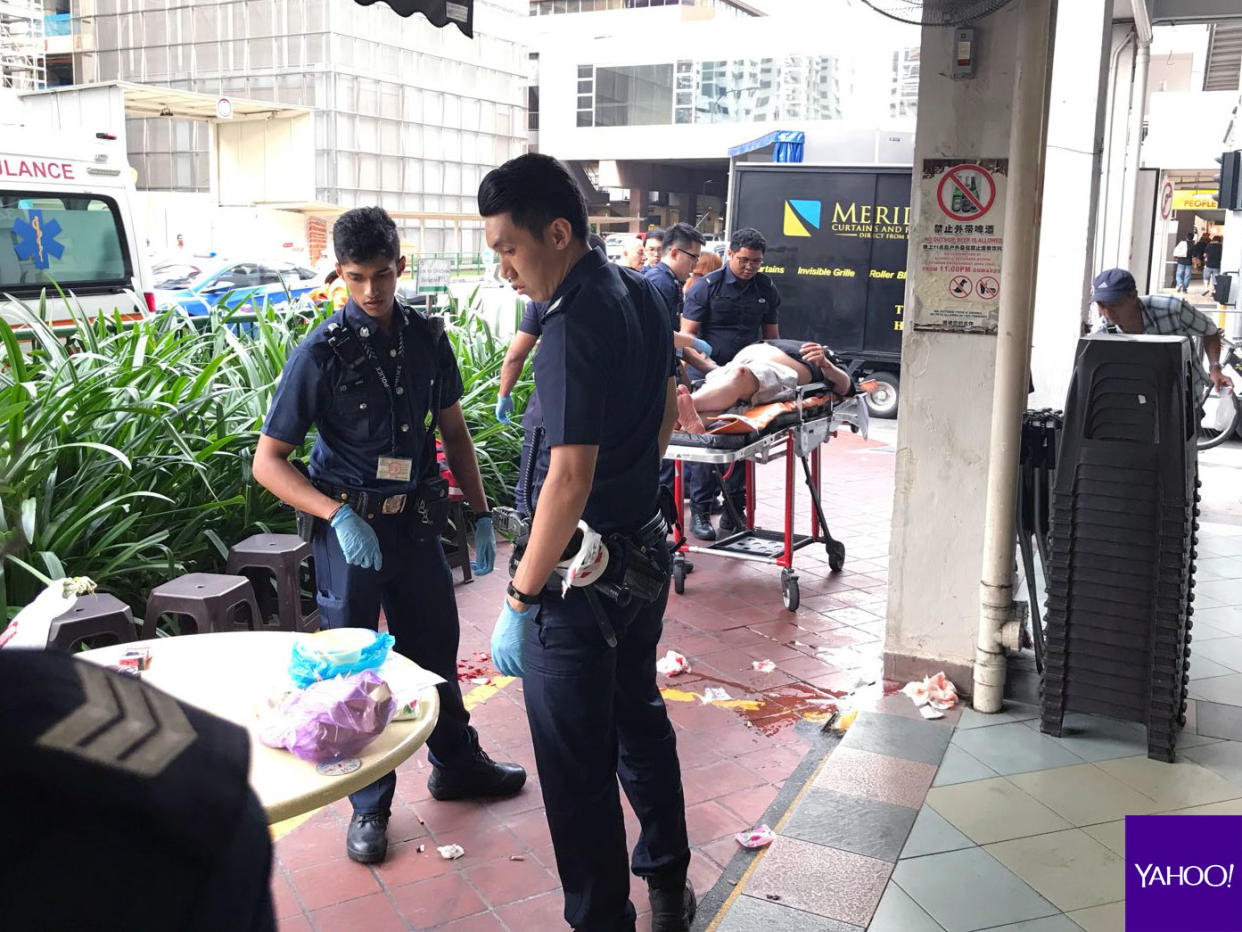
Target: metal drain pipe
pixel 999 628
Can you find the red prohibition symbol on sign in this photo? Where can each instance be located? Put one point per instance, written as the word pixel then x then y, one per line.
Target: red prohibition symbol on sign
pixel 989 287
pixel 960 286
pixel 966 192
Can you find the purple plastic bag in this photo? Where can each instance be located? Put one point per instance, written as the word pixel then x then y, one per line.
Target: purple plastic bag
pixel 333 718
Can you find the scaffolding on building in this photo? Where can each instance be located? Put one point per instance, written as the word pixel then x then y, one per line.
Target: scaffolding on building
pixel 23 64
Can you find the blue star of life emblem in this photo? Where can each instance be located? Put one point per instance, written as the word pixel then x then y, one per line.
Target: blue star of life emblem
pixel 36 239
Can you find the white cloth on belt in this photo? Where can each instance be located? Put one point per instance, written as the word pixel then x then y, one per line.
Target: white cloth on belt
pixel 776 382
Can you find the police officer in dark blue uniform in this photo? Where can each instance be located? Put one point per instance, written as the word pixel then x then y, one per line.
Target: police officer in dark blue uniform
pixel 377 379
pixel 682 246
pixel 730 308
pixel 603 374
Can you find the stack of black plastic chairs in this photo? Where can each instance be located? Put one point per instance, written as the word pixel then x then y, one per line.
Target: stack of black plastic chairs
pixel 1124 523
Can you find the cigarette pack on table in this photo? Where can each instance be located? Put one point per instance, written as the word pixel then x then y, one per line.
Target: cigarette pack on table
pixel 138 658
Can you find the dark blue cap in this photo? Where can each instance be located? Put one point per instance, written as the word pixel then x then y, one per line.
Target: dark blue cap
pixel 1113 285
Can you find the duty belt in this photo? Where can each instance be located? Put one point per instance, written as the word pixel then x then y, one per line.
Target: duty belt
pixel 369 505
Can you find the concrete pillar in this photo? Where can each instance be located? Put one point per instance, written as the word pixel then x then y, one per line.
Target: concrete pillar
pixel 947 386
pixel 1071 195
pixel 638 210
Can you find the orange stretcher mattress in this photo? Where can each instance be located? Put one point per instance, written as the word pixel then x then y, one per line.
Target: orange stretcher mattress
pixel 734 431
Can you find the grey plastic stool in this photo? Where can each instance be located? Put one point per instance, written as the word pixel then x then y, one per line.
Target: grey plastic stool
pixel 212 601
pixel 93 617
pixel 274 561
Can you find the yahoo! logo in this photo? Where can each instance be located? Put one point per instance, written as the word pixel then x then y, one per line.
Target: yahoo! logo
pixel 1169 876
pixel 1180 873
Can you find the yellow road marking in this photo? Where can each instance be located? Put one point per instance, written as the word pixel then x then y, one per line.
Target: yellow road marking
pixel 480 694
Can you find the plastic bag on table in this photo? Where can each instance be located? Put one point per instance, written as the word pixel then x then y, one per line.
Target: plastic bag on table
pixel 337 652
pixel 333 718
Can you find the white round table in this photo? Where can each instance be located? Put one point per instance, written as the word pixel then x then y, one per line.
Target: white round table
pixel 231 674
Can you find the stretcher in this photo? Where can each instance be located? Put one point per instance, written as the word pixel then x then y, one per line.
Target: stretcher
pixel 795 430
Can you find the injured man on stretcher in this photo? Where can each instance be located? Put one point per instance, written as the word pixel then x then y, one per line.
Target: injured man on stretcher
pixel 759 374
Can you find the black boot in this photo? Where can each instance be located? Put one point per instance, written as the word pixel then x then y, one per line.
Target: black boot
pixel 367 839
pixel 701 525
pixel 726 523
pixel 480 777
pixel 672 907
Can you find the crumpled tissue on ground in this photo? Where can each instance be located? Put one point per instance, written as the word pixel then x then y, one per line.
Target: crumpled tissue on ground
pixel 451 852
pixel 758 837
pixel 672 664
pixel 937 691
pixel 763 666
pixel 715 694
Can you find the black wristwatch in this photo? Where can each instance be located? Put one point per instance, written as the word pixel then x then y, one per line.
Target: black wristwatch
pixel 523 597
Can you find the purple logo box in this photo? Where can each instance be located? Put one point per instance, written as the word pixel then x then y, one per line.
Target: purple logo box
pixel 1183 873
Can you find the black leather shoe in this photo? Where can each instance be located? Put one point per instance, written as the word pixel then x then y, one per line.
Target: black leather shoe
pixel 701 526
pixel 672 908
pixel 367 839
pixel 481 777
pixel 728 527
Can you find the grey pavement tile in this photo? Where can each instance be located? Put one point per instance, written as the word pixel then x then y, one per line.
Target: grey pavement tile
pixel 1217 720
pixel 1227 619
pixel 960 767
pixel 993 810
pixel 826 881
pixel 1205 668
pixel 864 826
pixel 898 913
pixel 1112 835
pixel 1046 924
pixel 1207 632
pixel 1223 758
pixel 1084 795
pixel 936 883
pixel 1014 748
pixel 1012 712
pixel 933 833
pixel 1110 918
pixel 1224 591
pixel 1070 869
pixel 1172 786
pixel 1218 568
pixel 909 738
pixel 748 914
pixel 1226 651
pixel 1093 737
pixel 1225 807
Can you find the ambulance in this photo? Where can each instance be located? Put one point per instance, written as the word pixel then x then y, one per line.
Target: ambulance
pixel 67 221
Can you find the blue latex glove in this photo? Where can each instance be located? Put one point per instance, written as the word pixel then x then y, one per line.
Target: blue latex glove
pixel 504 407
pixel 508 636
pixel 484 547
pixel 357 539
pixel 702 346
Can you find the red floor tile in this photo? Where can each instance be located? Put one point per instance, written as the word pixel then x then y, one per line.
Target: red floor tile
pixel 406 864
pixel 297 923
pixel 314 843
pixel 455 817
pixel 373 913
pixel 715 780
pixel 433 902
pixel 335 882
pixel 771 763
pixel 722 850
pixel 703 874
pixel 284 900
pixel 538 914
pixel 480 922
pixel 531 828
pixel 502 882
pixel 751 803
pixel 708 821
pixel 494 842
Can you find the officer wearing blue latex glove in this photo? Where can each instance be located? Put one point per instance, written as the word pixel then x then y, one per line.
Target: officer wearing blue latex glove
pixel 504 408
pixel 357 539
pixel 484 546
pixel 702 346
pixel 507 638
pixel 378 381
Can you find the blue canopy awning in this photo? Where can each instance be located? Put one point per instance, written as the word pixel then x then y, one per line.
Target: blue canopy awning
pixel 786 145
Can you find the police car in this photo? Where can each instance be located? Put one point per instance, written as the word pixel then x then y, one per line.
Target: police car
pixel 197 284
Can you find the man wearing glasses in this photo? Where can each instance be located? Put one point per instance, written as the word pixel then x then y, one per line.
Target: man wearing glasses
pixel 730 308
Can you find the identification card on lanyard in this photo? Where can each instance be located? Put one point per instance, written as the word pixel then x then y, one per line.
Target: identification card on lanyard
pixel 396 468
pixel 392 467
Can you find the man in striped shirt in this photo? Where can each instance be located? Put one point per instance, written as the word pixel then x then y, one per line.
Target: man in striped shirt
pixel 1116 295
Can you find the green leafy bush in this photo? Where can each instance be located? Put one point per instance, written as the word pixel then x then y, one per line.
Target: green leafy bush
pixel 128 459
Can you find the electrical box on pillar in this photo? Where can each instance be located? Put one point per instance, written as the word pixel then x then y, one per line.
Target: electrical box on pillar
pixel 1230 181
pixel 964 53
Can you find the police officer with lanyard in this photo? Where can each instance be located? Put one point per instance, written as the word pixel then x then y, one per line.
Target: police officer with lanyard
pixel 376 380
pixel 731 308
pixel 602 372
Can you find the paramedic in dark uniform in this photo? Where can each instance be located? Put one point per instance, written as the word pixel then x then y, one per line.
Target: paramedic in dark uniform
pixel 608 406
pixel 730 308
pixel 375 380
pixel 683 245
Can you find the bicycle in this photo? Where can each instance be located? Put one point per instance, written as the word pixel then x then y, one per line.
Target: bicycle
pixel 1218 413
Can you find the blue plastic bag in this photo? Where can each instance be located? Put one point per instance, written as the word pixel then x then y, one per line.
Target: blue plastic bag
pixel 323 655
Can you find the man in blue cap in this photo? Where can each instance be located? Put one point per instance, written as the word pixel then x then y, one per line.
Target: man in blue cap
pixel 1116 295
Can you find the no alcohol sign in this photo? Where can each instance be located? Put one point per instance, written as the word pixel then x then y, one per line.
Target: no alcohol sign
pixel 960 234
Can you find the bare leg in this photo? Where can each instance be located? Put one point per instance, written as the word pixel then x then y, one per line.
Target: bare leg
pixel 721 395
pixel 688 417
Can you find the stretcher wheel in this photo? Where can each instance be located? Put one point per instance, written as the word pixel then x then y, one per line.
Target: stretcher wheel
pixel 679 576
pixel 789 590
pixel 836 555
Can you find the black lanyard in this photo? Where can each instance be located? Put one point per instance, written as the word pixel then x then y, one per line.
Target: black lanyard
pixel 383 379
